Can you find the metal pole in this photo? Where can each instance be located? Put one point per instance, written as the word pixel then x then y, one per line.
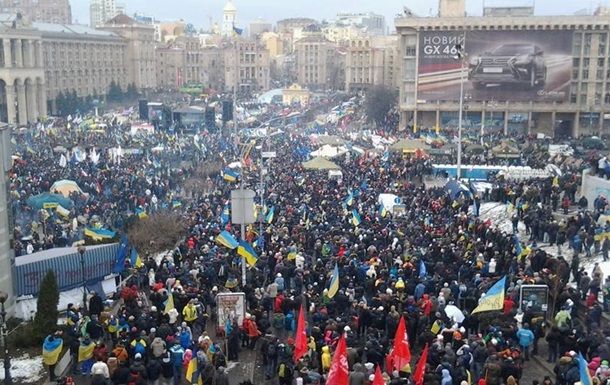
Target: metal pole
pixel 235 83
pixel 81 251
pixel 459 143
pixel 8 379
pixel 260 228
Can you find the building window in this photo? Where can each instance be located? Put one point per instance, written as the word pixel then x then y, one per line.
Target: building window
pixel 585 74
pixel 573 97
pixel 583 99
pixel 585 62
pixel 575 62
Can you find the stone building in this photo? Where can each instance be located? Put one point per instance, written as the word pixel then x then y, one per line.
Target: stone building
pixel 44 11
pixel 372 61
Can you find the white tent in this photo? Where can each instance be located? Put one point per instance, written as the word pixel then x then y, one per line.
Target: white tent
pixel 328 151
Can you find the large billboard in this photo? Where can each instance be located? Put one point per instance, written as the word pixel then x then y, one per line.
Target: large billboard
pixel 498 65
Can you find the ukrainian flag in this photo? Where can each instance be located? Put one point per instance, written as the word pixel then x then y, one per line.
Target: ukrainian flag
pixel 141 214
pixel 585 376
pixel 51 348
pixel 509 207
pixel 386 156
pixel 227 240
pixel 176 204
pixel 135 258
pixel 350 198
pixel 494 298
pixel 245 250
pixel 518 248
pixel 292 254
pixel 382 211
pixel 169 302
pixel 334 283
pixel 192 372
pixel 230 175
pixel 237 31
pixel 62 211
pixel 99 234
pixel 85 351
pixel 356 218
pixel 270 214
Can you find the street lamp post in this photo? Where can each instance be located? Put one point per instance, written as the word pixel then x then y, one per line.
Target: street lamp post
pixel 8 380
pixel 460 55
pixel 81 250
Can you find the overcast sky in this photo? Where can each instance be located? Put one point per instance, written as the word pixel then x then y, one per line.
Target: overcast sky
pixel 198 11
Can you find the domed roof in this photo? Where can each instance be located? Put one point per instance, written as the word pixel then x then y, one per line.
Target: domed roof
pixel 229 7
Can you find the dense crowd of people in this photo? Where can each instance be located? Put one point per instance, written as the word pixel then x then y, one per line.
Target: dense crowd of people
pixel 419 264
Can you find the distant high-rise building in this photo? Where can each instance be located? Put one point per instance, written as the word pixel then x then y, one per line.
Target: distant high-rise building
pixel 46 11
pixel 100 11
pixel 373 24
pixel 258 27
pixel 229 18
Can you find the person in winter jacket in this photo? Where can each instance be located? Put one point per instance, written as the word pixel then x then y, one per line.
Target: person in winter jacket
pixel 358 375
pixel 446 378
pixel 138 366
pixel 326 359
pixel 154 371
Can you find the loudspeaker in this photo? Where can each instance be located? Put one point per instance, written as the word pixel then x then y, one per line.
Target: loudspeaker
pixel 143 107
pixel 227 111
pixel 210 116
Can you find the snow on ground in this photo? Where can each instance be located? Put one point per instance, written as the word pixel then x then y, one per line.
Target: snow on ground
pixel 25 370
pixel 497 214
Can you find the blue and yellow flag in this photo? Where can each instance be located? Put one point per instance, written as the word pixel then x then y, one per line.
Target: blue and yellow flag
pixel 99 234
pixel 350 198
pixel 245 250
pixel 51 348
pixel 141 213
pixel 230 175
pixel 585 375
pixel 509 207
pixel 494 298
pixel 382 211
pixel 176 204
pixel 135 258
pixel 386 156
pixel 518 248
pixel 270 214
pixel 334 283
pixel 238 31
pixel 85 351
pixel 356 220
pixel 227 240
pixel 292 254
pixel 192 372
pixel 169 302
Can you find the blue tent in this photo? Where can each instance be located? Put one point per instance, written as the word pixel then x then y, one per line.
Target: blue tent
pixel 455 188
pixel 39 201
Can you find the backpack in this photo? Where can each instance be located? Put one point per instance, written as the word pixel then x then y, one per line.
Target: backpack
pixel 133 380
pixel 284 371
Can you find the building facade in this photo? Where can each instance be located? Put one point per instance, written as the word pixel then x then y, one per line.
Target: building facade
pixel 372 22
pixel 22 83
pixel 81 59
pixel 44 11
pixel 536 74
pixel 247 66
pixel 372 61
pixel 320 65
pixel 100 11
pixel 7 254
pixel 258 27
pixel 170 65
pixel 140 49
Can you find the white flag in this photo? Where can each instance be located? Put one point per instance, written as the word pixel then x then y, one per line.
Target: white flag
pixel 63 162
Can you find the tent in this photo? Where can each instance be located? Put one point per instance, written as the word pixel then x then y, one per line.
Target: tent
pixel 475 149
pixel 455 188
pixel 328 151
pixel 331 139
pixel 409 145
pixel 505 150
pixel 65 187
pixel 320 163
pixel 48 200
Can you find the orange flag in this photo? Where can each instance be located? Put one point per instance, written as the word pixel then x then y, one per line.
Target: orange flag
pixel 300 344
pixel 401 352
pixel 339 369
pixel 420 369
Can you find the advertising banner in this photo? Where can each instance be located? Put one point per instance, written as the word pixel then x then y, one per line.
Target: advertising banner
pixel 535 298
pixel 499 65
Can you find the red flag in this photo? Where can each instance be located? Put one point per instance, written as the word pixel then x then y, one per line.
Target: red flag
pixel 401 352
pixel 378 377
pixel 300 345
pixel 420 369
pixel 339 369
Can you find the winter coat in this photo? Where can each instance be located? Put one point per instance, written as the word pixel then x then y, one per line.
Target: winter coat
pixel 326 358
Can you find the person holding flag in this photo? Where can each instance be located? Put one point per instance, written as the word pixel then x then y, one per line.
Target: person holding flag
pixel 51 350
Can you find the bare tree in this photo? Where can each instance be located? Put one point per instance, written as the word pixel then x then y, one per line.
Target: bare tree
pixel 378 102
pixel 156 233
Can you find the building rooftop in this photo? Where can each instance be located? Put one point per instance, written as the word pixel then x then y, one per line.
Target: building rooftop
pixel 72 29
pixel 121 19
